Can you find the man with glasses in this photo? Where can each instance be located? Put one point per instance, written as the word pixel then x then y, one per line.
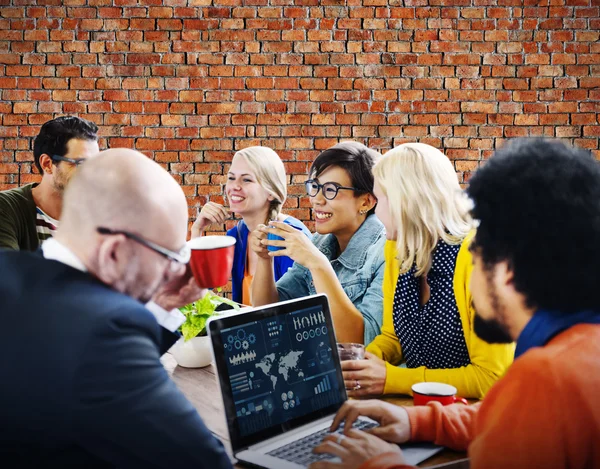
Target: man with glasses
pixel 29 214
pixel 82 381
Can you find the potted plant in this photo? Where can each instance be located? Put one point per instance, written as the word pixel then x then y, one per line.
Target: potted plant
pixel 192 350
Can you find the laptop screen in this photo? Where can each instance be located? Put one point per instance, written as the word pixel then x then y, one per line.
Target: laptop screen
pixel 278 368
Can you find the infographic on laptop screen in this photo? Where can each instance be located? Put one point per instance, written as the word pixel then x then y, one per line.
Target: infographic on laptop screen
pixel 280 368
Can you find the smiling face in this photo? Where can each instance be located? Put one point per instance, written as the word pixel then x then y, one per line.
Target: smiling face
pixel 340 216
pixel 246 196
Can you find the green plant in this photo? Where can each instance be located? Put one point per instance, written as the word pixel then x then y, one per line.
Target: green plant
pixel 197 313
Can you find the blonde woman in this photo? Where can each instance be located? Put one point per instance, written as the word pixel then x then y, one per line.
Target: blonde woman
pixel 256 189
pixel 428 314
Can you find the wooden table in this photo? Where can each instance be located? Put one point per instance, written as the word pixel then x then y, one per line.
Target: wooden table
pixel 200 386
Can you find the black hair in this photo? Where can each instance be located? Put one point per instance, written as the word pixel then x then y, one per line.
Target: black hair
pixel 356 159
pixel 537 202
pixel 55 134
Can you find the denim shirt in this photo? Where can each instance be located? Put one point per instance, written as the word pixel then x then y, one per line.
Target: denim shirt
pixel 359 270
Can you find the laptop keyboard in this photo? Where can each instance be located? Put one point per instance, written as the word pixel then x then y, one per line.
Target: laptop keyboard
pixel 300 451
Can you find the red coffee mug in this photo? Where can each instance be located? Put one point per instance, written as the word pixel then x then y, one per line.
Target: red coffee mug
pixel 212 260
pixel 439 392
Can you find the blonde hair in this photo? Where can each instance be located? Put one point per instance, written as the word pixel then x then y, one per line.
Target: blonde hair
pixel 424 199
pixel 270 174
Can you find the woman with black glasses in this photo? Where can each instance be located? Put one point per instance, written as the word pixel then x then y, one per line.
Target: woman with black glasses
pixel 345 258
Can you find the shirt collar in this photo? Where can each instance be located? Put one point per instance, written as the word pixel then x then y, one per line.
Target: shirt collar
pixel 355 253
pixel 544 325
pixel 55 251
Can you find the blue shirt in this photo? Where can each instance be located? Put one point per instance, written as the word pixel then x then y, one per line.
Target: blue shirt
pixel 281 264
pixel 359 270
pixel 544 325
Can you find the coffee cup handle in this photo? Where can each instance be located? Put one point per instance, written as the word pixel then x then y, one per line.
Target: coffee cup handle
pixel 462 400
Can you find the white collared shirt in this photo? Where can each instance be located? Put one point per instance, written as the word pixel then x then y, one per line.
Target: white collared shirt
pixel 54 250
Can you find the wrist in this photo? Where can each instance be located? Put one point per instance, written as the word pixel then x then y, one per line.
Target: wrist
pixel 318 263
pixel 198 229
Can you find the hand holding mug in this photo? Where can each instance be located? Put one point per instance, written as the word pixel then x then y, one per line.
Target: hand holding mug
pixel 255 244
pixel 394 425
pixel 180 291
pixel 366 377
pixel 292 243
pixel 211 213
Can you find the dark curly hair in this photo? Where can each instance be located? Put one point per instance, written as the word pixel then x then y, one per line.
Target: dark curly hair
pixel 537 202
pixel 55 134
pixel 355 158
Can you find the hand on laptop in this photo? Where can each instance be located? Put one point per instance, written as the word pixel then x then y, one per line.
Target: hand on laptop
pixel 394 425
pixel 354 448
pixel 364 378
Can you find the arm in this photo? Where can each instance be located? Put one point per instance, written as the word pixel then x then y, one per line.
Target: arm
pixel 452 426
pixel 8 229
pixel 347 319
pixel 386 345
pixel 128 412
pixel 264 290
pixel 488 362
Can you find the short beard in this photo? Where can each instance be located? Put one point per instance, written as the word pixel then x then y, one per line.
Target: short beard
pixel 492 331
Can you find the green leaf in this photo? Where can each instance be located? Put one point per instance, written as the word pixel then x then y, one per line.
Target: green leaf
pixel 197 313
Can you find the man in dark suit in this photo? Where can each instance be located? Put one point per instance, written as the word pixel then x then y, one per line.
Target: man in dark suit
pixel 82 383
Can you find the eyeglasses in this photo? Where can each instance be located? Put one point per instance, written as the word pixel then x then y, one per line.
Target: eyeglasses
pixel 75 161
pixel 176 258
pixel 330 189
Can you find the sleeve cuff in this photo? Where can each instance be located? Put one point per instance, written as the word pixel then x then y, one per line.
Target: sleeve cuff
pixel 170 320
pixel 422 425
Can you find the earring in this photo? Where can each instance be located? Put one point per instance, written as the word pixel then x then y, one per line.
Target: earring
pixel 362 212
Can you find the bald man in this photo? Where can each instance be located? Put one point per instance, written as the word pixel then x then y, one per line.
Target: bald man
pixel 82 383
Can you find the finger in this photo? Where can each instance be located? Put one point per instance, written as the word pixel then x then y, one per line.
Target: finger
pixel 212 219
pixel 371 356
pixel 281 252
pixel 355 433
pixel 358 393
pixel 216 214
pixel 283 226
pixel 331 448
pixel 354 365
pixel 340 416
pixel 353 384
pixel 273 242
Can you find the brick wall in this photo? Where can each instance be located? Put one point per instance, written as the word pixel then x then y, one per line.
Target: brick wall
pixel 188 82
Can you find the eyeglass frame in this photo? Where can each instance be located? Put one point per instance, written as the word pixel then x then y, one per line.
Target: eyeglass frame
pixel 182 257
pixel 320 187
pixel 75 161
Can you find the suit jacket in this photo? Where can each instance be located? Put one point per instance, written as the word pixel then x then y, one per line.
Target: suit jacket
pixel 81 383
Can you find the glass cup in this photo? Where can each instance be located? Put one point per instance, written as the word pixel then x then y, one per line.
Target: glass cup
pixel 350 351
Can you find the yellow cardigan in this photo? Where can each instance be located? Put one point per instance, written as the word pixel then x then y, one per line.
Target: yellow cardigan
pixel 488 362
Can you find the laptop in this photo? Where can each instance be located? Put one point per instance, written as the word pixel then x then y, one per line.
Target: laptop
pixel 281 383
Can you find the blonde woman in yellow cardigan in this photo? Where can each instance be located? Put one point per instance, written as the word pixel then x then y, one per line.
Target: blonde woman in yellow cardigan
pixel 427 311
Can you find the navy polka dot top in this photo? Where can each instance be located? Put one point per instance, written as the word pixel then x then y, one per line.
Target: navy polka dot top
pixel 431 335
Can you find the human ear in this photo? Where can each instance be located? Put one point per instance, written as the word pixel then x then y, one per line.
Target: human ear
pixel 368 202
pixel 112 260
pixel 47 164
